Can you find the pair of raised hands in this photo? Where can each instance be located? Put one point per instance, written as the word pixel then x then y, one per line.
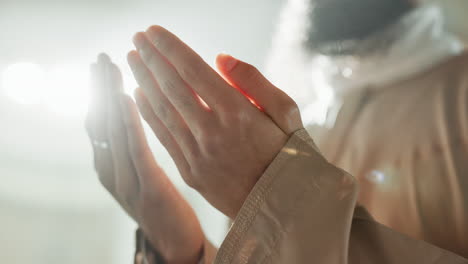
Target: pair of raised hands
pixel 221 129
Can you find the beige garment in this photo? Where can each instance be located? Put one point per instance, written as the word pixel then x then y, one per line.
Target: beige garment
pixel 406 144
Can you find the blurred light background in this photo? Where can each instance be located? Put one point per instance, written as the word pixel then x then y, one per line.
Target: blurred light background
pixel 52 208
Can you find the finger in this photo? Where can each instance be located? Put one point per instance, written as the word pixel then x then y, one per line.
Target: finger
pixel 162 133
pixel 274 102
pixel 139 149
pixel 161 106
pixel 105 78
pixel 102 158
pixel 96 126
pixel 99 88
pixel 172 85
pixel 126 179
pixel 115 79
pixel 137 143
pixel 97 110
pixel 104 166
pixel 125 176
pixel 193 69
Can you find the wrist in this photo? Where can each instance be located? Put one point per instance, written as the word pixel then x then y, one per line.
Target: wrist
pixel 194 257
pixel 146 252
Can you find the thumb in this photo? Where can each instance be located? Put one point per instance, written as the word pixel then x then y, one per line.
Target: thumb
pixel 252 84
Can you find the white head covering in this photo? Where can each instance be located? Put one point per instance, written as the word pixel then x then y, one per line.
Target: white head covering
pixel 315 82
pixel 424 42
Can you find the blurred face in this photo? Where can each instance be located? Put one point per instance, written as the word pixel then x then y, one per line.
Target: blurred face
pixel 338 25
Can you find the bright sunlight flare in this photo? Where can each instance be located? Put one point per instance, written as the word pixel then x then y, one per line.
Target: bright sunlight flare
pixel 62 89
pixel 23 82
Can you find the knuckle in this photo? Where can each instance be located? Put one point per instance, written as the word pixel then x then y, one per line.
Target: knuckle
pixel 163 44
pixel 209 149
pixel 224 112
pixel 147 114
pixel 146 79
pixel 151 60
pixel 192 72
pixel 178 94
pixel 236 118
pixel 242 116
pixel 173 127
pixel 185 102
pixel 204 125
pixel 286 106
pixel 161 111
pixel 288 116
pixel 193 175
pixel 192 182
pixel 167 85
pixel 164 138
pixel 211 145
pixel 251 72
pixel 291 109
pixel 203 138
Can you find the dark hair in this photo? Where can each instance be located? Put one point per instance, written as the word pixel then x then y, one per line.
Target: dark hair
pixel 336 24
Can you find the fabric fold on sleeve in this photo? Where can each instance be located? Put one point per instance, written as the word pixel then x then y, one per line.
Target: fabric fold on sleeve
pixel 303 210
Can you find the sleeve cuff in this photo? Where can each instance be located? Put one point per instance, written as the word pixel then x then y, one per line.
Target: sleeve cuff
pixel 299 177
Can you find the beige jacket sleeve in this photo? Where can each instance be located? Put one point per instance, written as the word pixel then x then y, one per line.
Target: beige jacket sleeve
pixel 303 210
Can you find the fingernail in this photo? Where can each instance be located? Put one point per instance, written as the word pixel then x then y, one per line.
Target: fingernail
pixel 229 62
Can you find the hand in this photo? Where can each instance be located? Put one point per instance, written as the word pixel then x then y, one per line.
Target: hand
pixel 221 143
pixel 127 169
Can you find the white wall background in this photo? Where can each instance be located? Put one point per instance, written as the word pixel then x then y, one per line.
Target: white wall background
pixel 52 208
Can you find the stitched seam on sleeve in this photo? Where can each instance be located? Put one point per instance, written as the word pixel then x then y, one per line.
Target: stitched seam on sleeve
pixel 300 203
pixel 304 135
pixel 253 203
